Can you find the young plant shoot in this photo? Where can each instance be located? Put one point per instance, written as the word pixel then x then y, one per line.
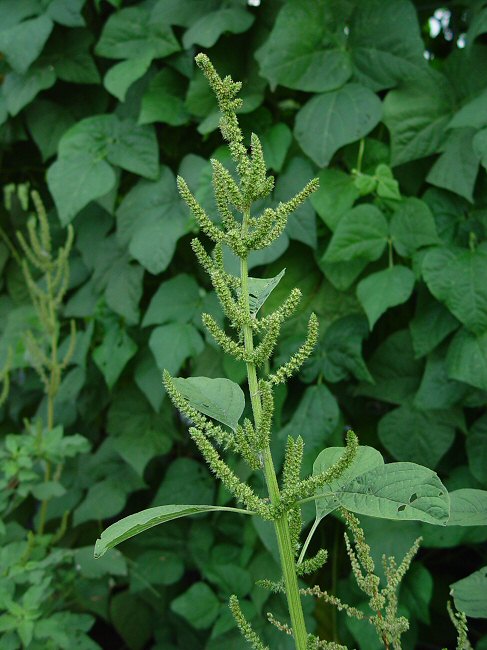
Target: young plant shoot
pixel 349 479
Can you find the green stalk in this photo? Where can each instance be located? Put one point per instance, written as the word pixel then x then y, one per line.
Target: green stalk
pixel 281 525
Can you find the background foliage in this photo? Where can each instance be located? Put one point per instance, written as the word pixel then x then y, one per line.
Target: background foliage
pixel 100 107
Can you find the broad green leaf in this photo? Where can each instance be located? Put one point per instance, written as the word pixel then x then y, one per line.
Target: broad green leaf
pixel 331 120
pixel 122 75
pixel 469 594
pixel 385 43
pixel 22 44
pixel 302 223
pixel 47 123
pixel 361 233
pixel 314 419
pixel 141 521
pixel 412 227
pixel 480 146
pixel 132 619
pixel 367 458
pixel 20 89
pixel 124 289
pixel 177 299
pixel 431 324
pixel 220 399
pixel 403 491
pixel 275 144
pixel 477 449
pixel 467 359
pixel 260 289
pixel 472 114
pixel 334 197
pixel 396 373
pixel 417 436
pixel 468 507
pixel 113 354
pixel 208 29
pixel 457 168
pixel 71 59
pixel 437 389
pixel 183 14
pixel 316 63
pixel 163 101
pixel 148 378
pixel 380 291
pixel 151 219
pixel 342 274
pixel 456 278
pixel 342 346
pixel 133 32
pixel 387 185
pixel 185 480
pixel 198 606
pixel 74 181
pixel 67 12
pixel 416 115
pixel 113 564
pixel 172 344
pixel 417 589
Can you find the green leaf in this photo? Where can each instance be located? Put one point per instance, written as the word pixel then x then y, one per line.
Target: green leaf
pixel 148 378
pixel 47 122
pixel 72 60
pixel 220 399
pixel 163 101
pixel 403 491
pixel 335 196
pixel 67 12
pixel 198 605
pixel 361 233
pixel 467 359
pixel 387 185
pixel 412 227
pixel 172 344
pixel 480 146
pixel 122 75
pixel 302 224
pixel 48 490
pixel 145 519
pixel 74 181
pixel 113 564
pixel 386 44
pixel 185 480
pixel 367 458
pixel 275 144
pixel 22 43
pixel 260 289
pixel 431 324
pixel 472 114
pixel 469 594
pixel 316 63
pixel 416 115
pixel 456 278
pixel 113 354
pixel 176 300
pixel 19 90
pixel 343 349
pixel 133 32
pixel 208 29
pixel 331 120
pixel 380 291
pixel 457 168
pixel 151 219
pixel 396 372
pixel 477 449
pixel 124 289
pixel 418 436
pixel 437 390
pixel 468 507
pixel 132 619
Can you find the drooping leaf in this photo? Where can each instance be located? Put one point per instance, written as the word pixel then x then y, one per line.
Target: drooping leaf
pixel 468 507
pixel 301 226
pixel 122 75
pixel 456 278
pixel 380 291
pixel 361 233
pixel 472 114
pixel 331 120
pixel 198 605
pixel 172 344
pixel 412 227
pixel 185 480
pixel 47 122
pixel 141 521
pixel 418 436
pixel 334 197
pixel 113 354
pixel 20 89
pixel 206 30
pixel 260 289
pixel 431 324
pixel 469 594
pixel 467 359
pixel 316 63
pixel 178 299
pixel 342 346
pixel 275 144
pixel 71 58
pixel 22 43
pixel 220 399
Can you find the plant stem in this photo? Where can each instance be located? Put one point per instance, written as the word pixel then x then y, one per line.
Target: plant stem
pixel 281 525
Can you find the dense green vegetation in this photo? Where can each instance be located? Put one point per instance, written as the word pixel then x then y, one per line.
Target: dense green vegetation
pixel 101 107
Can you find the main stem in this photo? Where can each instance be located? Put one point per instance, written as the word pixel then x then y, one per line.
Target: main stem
pixel 281 525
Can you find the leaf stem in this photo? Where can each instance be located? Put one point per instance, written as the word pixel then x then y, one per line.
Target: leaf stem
pixel 281 525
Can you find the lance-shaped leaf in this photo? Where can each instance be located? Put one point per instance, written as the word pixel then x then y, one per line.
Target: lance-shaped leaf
pixel 468 507
pixel 260 289
pixel 470 594
pixel 220 399
pixel 145 519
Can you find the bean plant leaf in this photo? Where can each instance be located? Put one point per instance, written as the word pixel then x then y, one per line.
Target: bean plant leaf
pixel 122 75
pixel 163 101
pixel 335 196
pixel 23 43
pixel 220 399
pixel 198 606
pixel 333 119
pixel 470 594
pixel 477 449
pixel 456 278
pixel 467 359
pixel 208 29
pixel 367 458
pixel 361 233
pixel 113 354
pixel 380 291
pixel 176 300
pixel 412 227
pixel 275 144
pixel 468 507
pixel 20 89
pixel 172 344
pixel 145 519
